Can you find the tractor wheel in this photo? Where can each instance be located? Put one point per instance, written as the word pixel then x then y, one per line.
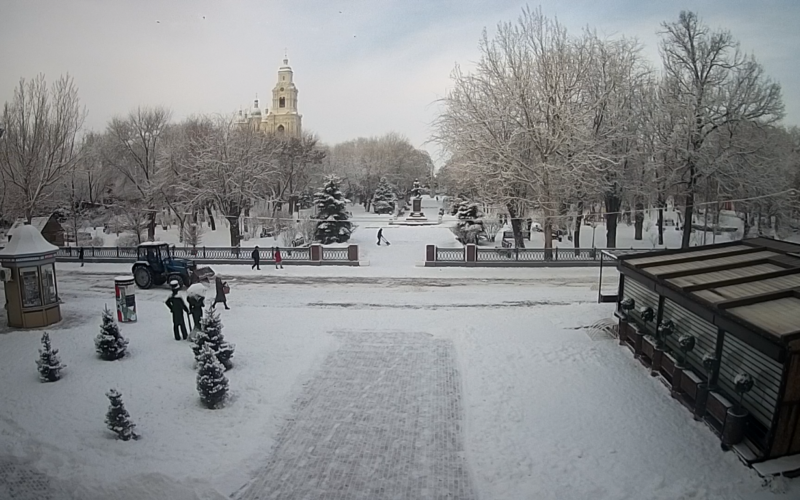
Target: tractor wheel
pixel 143 277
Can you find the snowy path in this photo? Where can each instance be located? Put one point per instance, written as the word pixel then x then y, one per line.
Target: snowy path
pixel 408 243
pixel 381 419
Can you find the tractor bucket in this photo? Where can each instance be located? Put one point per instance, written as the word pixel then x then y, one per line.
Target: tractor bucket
pixel 204 273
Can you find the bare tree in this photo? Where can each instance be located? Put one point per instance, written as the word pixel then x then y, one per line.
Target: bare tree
pixel 133 145
pixel 39 144
pixel 712 84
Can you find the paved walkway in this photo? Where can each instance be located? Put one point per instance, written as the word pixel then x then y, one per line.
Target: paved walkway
pixel 381 419
pixel 21 481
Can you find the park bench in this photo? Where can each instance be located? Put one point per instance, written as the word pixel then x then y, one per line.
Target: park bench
pixel 509 235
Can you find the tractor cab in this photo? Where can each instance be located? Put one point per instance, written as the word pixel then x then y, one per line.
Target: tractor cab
pixel 155 265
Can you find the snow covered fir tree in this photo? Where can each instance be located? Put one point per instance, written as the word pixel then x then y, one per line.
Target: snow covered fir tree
pixel 118 419
pixel 212 384
pixel 49 364
pixel 333 225
pixel 470 224
pixel 210 335
pixel 109 343
pixel 384 200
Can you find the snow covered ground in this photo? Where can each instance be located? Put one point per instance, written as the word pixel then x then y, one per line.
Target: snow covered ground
pixel 548 412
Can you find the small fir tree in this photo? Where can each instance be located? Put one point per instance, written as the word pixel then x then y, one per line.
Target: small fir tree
pixel 118 419
pixel 384 199
pixel 109 343
pixel 210 335
pixel 333 225
pixel 212 384
pixel 49 364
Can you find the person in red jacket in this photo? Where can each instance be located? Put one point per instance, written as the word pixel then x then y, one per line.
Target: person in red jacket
pixel 278 258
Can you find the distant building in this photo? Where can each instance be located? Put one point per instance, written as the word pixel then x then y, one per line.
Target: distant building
pixel 51 229
pixel 283 119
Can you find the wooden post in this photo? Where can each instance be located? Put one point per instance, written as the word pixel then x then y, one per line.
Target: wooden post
pixel 430 253
pixel 352 253
pixel 316 252
pixel 472 252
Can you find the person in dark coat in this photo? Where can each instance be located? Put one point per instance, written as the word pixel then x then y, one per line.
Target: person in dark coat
pixel 380 235
pixel 80 256
pixel 256 259
pixel 196 304
pixel 176 305
pixel 220 297
pixel 278 259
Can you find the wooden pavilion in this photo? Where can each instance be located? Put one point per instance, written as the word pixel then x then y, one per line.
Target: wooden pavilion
pixel 706 319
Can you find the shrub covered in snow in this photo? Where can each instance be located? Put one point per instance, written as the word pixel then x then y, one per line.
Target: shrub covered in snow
pixel 109 343
pixel 212 384
pixel 210 335
pixel 49 364
pixel 470 221
pixel 127 240
pixel 118 419
pixel 333 225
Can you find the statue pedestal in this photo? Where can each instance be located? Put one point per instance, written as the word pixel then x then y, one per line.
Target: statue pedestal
pixel 416 214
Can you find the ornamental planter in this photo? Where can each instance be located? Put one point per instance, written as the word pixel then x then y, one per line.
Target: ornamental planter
pixel 648 350
pixel 668 370
pixel 700 401
pixel 689 383
pixel 733 430
pixel 717 408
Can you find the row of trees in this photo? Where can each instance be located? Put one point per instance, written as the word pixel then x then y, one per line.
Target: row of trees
pixel 558 123
pixel 144 164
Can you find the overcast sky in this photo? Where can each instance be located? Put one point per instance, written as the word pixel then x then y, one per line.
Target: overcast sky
pixel 363 67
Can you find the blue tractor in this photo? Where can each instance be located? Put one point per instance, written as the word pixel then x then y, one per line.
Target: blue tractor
pixel 155 266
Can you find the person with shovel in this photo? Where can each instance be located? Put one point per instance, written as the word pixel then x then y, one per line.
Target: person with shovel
pixel 381 237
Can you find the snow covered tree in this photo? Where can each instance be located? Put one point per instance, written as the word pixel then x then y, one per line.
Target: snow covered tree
pixel 49 364
pixel 193 235
pixel 333 226
pixel 40 143
pixel 210 335
pixel 212 384
pixel 384 200
pixel 470 223
pixel 109 343
pixel 711 84
pixel 118 419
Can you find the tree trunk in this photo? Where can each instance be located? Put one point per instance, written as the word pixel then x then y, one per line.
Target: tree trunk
pixel 660 224
pixel 746 220
pixel 613 204
pixel 516 227
pixel 233 223
pixel 211 218
pixel 547 227
pixel 638 221
pixel 151 225
pixel 576 239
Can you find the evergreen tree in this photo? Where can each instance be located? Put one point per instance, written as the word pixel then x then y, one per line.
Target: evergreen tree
pixel 212 384
pixel 118 419
pixel 384 200
pixel 210 335
pixel 49 365
pixel 109 343
pixel 333 226
pixel 470 222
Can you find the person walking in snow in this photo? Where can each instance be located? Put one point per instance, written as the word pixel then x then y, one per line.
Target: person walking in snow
pixel 195 296
pixel 176 305
pixel 278 259
pixel 256 259
pixel 381 237
pixel 220 297
pixel 80 256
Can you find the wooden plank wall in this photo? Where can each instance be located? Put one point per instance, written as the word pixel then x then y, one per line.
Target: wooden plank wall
pixel 644 298
pixel 705 334
pixel 787 429
pixel 738 357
